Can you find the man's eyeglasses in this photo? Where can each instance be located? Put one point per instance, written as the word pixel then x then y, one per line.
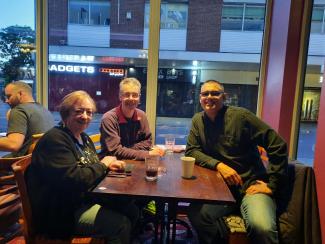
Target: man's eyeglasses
pixel 132 94
pixel 212 93
pixel 81 111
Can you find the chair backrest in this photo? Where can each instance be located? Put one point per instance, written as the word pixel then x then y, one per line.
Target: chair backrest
pixel 6 176
pixel 35 139
pixel 19 169
pixel 96 140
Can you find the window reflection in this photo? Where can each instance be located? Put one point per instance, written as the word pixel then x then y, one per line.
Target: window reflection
pixel 211 46
pixel 312 87
pixel 89 12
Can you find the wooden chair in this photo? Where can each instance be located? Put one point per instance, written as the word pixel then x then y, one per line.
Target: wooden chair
pixel 96 140
pixel 19 169
pixel 10 212
pixel 6 175
pixel 35 139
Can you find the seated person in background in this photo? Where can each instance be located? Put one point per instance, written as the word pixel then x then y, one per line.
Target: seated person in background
pixel 125 129
pixel 64 166
pixel 225 138
pixel 26 118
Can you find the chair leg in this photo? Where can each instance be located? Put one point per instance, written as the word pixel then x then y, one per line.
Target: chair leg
pixel 189 233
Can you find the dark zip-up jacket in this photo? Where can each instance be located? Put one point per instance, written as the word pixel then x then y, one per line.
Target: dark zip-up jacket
pixel 233 139
pixel 61 171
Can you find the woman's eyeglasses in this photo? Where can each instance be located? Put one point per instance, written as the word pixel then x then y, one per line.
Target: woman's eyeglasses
pixel 81 111
pixel 212 93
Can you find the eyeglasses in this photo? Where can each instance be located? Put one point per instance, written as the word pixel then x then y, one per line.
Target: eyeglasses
pixel 81 111
pixel 132 94
pixel 212 93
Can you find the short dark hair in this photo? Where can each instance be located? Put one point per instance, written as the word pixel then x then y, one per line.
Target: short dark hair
pixel 21 86
pixel 214 81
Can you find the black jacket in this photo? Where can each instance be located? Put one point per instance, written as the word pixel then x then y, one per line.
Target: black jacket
pixel 61 172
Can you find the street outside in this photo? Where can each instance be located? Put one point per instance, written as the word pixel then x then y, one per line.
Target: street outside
pixel 179 128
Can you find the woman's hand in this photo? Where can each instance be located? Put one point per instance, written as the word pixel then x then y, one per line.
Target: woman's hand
pixel 112 163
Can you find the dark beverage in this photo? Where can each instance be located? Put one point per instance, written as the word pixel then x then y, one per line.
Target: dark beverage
pixel 120 170
pixel 152 173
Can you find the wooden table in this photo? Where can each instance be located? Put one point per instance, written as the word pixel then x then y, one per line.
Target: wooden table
pixel 206 187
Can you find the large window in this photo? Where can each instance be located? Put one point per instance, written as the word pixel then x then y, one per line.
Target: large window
pixel 312 86
pixel 244 17
pixel 93 44
pixel 193 47
pixel 89 12
pixel 17 49
pixel 203 51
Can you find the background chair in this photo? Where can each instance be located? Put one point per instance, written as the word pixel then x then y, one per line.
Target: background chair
pixel 96 140
pixel 10 212
pixel 19 169
pixel 35 139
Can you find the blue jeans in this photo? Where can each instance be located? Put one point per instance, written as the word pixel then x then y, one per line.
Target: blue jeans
pixel 258 211
pixel 259 214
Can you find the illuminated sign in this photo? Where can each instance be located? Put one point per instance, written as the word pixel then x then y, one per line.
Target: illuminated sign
pixel 70 58
pixel 112 72
pixel 72 68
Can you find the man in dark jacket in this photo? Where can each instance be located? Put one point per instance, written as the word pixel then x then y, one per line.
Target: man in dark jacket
pixel 225 138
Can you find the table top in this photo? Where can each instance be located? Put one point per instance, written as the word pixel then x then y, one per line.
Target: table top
pixel 206 187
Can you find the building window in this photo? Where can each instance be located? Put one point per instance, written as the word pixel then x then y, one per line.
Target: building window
pixel 243 17
pixel 173 15
pixel 318 20
pixel 87 12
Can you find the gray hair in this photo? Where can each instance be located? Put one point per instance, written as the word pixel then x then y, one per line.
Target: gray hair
pixel 130 81
pixel 69 100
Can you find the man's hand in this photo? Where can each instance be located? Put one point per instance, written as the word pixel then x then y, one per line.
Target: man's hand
pixel 157 151
pixel 229 174
pixel 259 187
pixel 113 164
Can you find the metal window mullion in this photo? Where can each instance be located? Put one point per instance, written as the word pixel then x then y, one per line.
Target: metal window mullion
pixel 42 52
pixel 323 22
pixel 153 58
pixel 243 17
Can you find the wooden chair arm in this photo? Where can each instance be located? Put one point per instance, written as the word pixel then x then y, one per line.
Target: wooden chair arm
pixel 9 200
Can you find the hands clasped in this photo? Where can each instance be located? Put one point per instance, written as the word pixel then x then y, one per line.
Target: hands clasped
pixel 112 163
pixel 157 151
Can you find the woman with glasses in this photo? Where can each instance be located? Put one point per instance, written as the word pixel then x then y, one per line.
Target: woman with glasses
pixel 64 166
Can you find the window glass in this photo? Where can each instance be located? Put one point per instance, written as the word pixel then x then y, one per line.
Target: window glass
pixel 312 87
pixel 78 12
pixel 205 51
pixel 17 49
pixel 99 13
pixel 93 45
pixel 232 17
pixel 254 18
pixel 318 17
pixel 173 16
